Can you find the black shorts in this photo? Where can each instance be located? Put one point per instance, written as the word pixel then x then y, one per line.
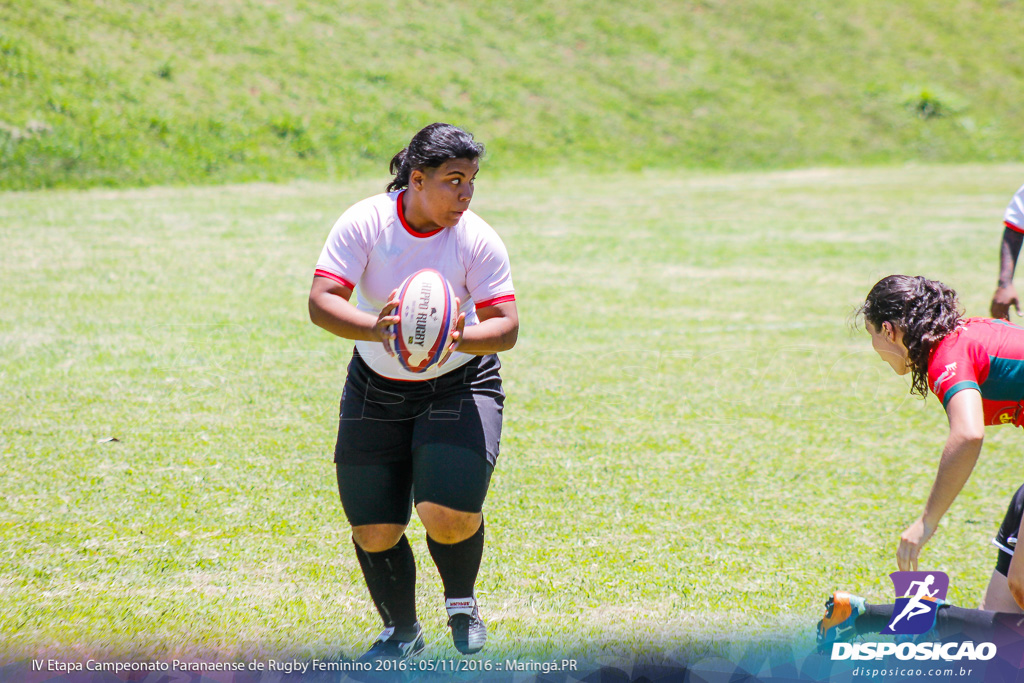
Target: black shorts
pixel 435 441
pixel 1006 537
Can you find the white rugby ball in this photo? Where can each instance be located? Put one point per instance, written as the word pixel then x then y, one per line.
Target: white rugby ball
pixel 426 306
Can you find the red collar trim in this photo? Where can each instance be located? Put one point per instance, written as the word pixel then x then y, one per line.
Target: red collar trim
pixel 401 218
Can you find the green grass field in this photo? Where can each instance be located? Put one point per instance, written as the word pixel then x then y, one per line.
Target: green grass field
pixel 143 92
pixel 696 447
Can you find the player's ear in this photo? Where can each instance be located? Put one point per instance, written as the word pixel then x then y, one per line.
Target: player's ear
pixel 889 330
pixel 416 178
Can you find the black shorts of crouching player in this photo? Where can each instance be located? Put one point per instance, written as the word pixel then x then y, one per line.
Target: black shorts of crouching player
pixel 1006 538
pixel 435 441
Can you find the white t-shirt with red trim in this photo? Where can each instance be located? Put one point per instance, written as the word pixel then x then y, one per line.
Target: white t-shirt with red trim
pixel 1014 216
pixel 372 250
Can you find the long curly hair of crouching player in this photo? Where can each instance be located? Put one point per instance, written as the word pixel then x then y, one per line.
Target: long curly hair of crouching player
pixel 926 310
pixel 431 147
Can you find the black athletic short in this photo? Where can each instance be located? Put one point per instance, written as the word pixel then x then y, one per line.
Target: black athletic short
pixel 435 440
pixel 1006 537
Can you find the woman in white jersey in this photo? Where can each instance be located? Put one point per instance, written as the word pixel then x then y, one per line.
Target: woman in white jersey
pixel 429 438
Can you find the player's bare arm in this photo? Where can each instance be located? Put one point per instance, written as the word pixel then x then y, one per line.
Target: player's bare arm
pixel 497 330
pixel 963 445
pixel 1006 294
pixel 329 308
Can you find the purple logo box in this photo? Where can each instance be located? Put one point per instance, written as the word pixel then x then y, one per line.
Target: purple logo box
pixel 918 596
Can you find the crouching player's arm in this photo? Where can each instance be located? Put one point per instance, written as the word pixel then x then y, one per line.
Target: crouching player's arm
pixel 966 433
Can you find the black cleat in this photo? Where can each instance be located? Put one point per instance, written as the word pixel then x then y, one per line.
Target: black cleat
pixel 388 647
pixel 468 630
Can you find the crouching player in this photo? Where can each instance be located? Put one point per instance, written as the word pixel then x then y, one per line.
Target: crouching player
pixel 975 367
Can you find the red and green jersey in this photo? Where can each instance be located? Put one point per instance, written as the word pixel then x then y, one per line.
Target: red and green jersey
pixel 986 355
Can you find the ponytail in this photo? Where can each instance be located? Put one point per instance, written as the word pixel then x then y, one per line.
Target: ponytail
pixel 400 169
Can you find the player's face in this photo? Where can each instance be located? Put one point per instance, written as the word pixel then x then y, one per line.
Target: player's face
pixel 443 193
pixel 887 341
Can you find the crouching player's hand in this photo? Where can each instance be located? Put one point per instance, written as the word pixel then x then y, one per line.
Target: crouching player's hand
pixel 911 542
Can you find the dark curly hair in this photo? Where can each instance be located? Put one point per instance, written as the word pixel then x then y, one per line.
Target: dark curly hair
pixel 431 147
pixel 926 310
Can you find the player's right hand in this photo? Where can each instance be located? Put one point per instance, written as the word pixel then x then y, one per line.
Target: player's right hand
pixel 1002 300
pixel 911 542
pixel 384 328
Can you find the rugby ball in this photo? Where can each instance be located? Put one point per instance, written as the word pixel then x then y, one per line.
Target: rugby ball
pixel 426 308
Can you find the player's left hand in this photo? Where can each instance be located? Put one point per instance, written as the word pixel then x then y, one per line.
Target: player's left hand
pixel 455 336
pixel 911 542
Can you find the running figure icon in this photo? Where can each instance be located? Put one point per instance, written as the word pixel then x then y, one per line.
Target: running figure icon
pixel 915 606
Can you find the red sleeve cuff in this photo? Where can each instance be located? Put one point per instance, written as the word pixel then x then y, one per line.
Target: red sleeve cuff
pixel 1013 227
pixel 496 300
pixel 337 278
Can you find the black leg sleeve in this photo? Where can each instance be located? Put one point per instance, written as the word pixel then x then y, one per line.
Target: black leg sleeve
pixel 391 577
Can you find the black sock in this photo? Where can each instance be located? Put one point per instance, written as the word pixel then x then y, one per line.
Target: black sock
pixel 458 563
pixel 874 619
pixel 952 620
pixel 949 620
pixel 391 577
